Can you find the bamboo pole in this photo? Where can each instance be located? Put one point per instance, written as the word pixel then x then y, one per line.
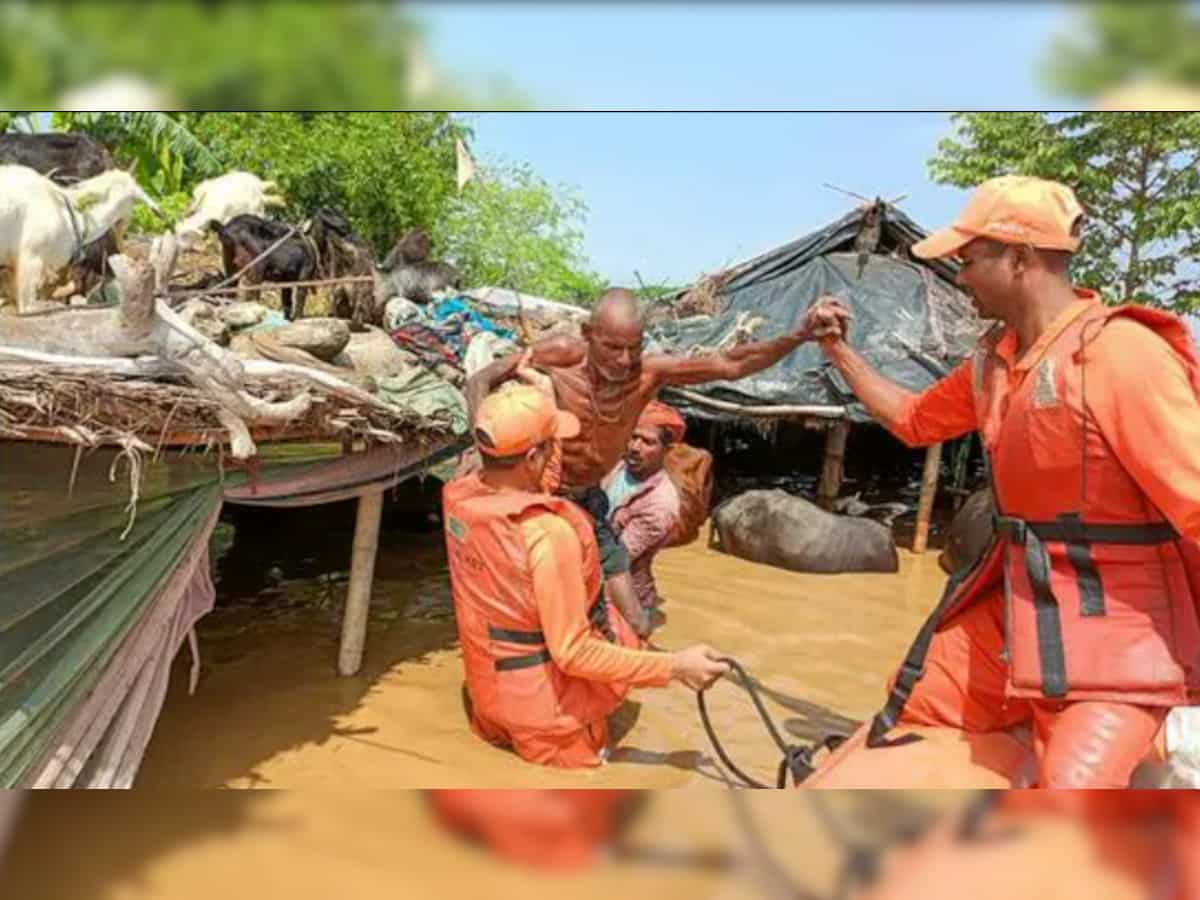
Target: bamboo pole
pixel 833 467
pixel 823 412
pixel 929 479
pixel 362 573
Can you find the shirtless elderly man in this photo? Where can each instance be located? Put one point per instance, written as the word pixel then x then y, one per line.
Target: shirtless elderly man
pixel 605 380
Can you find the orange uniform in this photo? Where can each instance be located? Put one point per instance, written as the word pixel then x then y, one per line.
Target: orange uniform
pixel 1139 395
pixel 547 660
pixel 1093 436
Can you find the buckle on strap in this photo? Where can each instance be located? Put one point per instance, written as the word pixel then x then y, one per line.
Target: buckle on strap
pixel 1011 527
pixel 906 680
pixel 911 673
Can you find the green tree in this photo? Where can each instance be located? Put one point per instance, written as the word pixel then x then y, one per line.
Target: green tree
pixel 1117 43
pixel 510 228
pixel 1135 174
pixel 221 54
pixel 152 141
pixel 385 171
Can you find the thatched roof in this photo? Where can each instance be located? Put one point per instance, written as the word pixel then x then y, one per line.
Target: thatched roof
pixel 66 404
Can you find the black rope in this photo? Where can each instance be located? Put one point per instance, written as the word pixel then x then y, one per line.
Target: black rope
pixel 796 759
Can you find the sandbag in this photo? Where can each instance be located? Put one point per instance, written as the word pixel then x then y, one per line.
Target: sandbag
pixel 691 471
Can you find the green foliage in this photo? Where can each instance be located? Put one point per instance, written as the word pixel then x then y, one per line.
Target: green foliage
pixel 218 55
pixel 1117 43
pixel 144 221
pixel 385 171
pixel 510 228
pixel 1135 174
pixel 157 143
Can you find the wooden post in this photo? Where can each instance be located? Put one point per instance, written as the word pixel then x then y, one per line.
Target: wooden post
pixel 929 479
pixel 832 468
pixel 362 573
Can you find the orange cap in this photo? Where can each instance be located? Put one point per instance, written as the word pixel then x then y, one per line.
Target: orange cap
pixel 1012 209
pixel 512 421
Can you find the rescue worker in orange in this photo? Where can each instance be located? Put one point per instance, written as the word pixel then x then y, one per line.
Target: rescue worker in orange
pixel 547 660
pixel 606 382
pixel 1081 617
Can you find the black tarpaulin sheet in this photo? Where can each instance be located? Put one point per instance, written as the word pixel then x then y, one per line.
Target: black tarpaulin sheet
pixel 910 323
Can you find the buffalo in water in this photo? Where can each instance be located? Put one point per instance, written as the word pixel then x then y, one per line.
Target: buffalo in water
pixel 779 529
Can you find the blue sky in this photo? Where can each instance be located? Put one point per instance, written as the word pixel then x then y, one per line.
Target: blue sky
pixel 674 194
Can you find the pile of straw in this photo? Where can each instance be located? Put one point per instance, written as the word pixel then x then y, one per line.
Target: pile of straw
pixel 89 408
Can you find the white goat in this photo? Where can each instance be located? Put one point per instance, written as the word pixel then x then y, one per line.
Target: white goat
pixel 222 198
pixel 43 227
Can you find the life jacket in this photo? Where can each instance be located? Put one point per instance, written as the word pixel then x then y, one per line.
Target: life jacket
pixel 691 471
pixel 511 678
pixel 1101 592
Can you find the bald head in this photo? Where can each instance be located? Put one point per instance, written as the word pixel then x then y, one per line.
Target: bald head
pixel 614 335
pixel 617 308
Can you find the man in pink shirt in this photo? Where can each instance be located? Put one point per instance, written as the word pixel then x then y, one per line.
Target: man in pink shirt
pixel 643 502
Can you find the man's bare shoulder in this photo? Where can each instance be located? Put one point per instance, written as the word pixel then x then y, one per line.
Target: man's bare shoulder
pixel 559 350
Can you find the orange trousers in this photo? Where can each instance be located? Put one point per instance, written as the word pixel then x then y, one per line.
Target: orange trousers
pixel 568 749
pixel 1087 743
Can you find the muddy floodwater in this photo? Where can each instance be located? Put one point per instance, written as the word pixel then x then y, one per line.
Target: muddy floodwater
pixel 271 712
